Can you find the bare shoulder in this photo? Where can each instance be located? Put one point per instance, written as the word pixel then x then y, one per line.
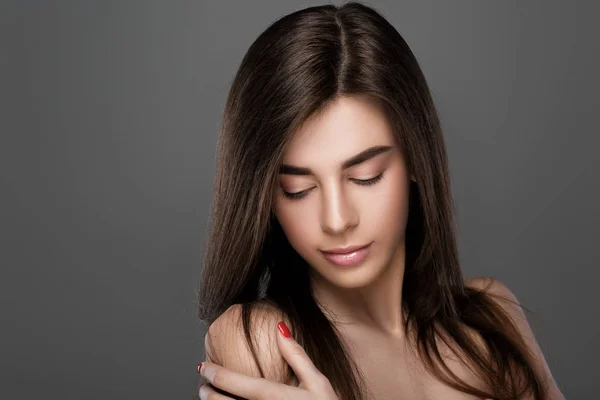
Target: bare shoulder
pixel 510 304
pixel 492 286
pixel 225 342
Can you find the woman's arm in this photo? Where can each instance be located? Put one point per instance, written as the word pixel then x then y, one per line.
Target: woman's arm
pixel 225 383
pixel 225 343
pixel 507 300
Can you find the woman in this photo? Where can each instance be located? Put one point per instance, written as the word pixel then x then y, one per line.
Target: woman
pixel 333 213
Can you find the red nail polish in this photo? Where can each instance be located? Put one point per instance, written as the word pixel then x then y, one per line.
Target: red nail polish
pixel 199 366
pixel 283 329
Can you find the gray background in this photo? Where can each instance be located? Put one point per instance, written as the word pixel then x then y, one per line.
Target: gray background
pixel 109 115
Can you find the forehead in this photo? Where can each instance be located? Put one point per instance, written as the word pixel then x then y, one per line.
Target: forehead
pixel 342 129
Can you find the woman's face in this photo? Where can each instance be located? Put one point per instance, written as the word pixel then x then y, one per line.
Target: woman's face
pixel 340 200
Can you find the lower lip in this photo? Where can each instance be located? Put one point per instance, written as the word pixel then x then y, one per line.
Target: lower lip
pixel 348 259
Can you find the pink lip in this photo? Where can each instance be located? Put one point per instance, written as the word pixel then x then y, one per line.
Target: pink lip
pixel 348 256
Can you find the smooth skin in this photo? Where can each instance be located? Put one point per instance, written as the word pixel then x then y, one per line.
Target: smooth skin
pixel 342 196
pixel 313 384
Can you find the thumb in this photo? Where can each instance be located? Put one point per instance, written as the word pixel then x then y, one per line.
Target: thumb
pixel 297 358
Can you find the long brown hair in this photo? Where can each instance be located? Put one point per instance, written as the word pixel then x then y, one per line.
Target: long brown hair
pixel 296 67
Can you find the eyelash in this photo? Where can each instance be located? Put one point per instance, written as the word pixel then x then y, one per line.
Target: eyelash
pixel 362 182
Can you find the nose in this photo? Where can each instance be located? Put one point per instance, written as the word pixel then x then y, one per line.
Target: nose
pixel 338 212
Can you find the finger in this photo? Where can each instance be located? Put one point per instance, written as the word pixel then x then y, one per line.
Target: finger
pixel 232 382
pixel 297 358
pixel 206 390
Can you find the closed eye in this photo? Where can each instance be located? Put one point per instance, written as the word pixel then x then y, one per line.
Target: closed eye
pixel 367 182
pixel 362 182
pixel 296 195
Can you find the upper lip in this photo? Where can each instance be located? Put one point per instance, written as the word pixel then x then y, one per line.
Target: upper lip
pixel 344 250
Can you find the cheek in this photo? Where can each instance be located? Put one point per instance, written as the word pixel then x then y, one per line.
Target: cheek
pixel 296 224
pixel 386 209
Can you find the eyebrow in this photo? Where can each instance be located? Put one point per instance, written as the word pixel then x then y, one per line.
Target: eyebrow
pixel 354 160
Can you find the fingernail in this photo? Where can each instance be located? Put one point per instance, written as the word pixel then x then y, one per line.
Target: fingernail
pixel 199 367
pixel 283 329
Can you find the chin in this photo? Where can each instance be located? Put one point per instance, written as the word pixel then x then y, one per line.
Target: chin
pixel 345 277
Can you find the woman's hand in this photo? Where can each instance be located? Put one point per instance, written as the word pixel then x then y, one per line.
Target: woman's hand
pixel 313 384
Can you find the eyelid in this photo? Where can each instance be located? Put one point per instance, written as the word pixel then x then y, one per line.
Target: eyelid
pixel 370 181
pixel 296 195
